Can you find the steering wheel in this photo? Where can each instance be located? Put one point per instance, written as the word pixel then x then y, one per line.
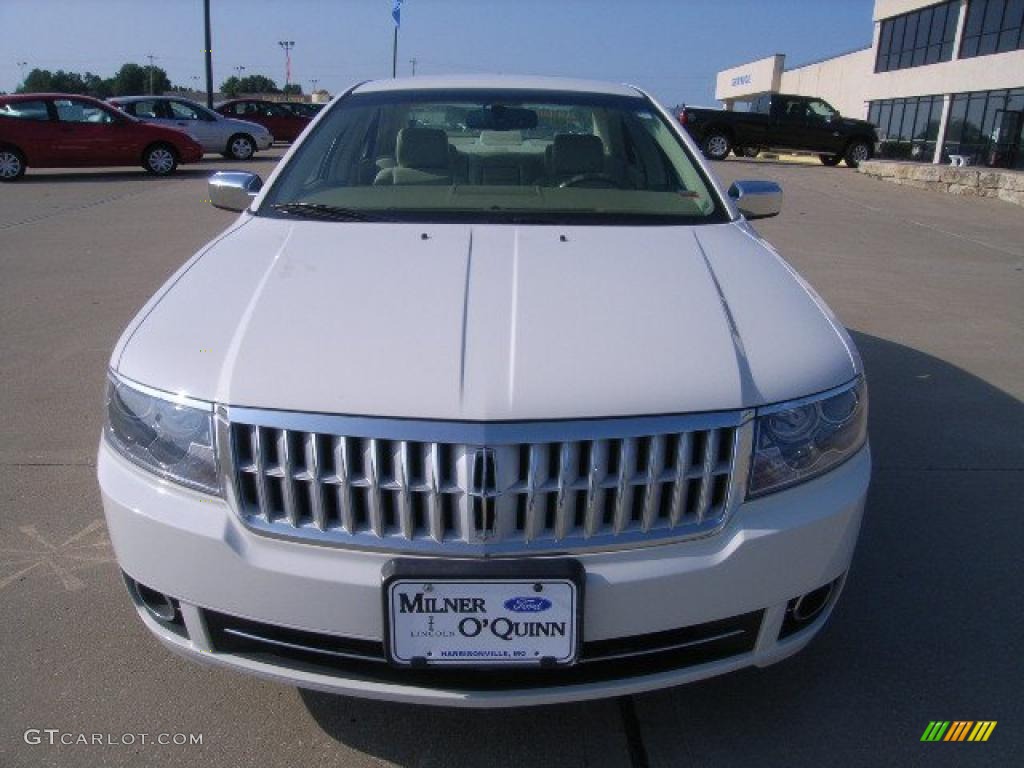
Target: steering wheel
pixel 581 177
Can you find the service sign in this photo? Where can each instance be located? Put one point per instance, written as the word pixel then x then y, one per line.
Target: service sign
pixel 482 623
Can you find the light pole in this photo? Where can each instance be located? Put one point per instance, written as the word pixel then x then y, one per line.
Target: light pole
pixel 151 57
pixel 312 83
pixel 195 83
pixel 208 54
pixel 21 66
pixel 413 62
pixel 238 71
pixel 287 45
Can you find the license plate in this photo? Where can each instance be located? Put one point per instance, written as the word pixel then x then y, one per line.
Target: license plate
pixel 482 622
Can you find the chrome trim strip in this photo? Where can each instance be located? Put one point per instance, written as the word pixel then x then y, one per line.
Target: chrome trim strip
pixel 179 398
pixel 305 648
pixel 486 433
pixel 785 406
pixel 661 648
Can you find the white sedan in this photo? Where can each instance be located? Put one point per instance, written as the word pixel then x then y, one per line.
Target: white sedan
pixel 235 139
pixel 491 396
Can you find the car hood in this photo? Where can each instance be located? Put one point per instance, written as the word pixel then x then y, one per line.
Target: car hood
pixel 492 322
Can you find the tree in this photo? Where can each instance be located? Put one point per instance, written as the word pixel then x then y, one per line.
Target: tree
pixel 257 84
pixel 230 87
pixel 292 89
pixel 133 80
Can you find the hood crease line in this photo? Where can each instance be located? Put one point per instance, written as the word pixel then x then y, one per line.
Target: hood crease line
pixel 749 392
pixel 234 346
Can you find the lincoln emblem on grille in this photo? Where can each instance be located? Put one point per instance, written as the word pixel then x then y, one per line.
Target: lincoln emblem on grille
pixel 482 490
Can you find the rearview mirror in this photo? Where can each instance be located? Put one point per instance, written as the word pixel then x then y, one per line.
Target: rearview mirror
pixel 757 199
pixel 233 190
pixel 498 117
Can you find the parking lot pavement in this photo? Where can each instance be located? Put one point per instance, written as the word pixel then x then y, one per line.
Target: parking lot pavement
pixel 931 625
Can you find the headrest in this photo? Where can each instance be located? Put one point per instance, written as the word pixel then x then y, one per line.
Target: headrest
pixel 577 153
pixel 422 148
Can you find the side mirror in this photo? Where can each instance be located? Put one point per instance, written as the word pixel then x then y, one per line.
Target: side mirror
pixel 757 199
pixel 233 190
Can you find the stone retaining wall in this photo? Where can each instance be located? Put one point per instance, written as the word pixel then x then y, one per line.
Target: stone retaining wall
pixel 973 182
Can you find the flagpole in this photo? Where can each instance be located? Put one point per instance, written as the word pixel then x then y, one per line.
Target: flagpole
pixel 394 55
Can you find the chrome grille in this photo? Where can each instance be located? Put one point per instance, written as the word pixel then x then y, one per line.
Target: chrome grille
pixel 487 493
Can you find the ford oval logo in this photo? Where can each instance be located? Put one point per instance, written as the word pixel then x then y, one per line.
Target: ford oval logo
pixel 527 604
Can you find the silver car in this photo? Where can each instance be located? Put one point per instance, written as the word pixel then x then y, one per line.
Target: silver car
pixel 235 139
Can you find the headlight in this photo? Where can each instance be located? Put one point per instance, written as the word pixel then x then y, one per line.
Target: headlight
pixel 163 435
pixel 796 442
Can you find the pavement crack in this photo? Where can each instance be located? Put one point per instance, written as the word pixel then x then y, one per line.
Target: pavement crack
pixel 634 736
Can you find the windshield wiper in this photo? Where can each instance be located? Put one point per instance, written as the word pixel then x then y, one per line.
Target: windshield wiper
pixel 324 211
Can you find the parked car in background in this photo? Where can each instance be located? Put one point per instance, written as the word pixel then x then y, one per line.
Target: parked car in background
pixel 623 446
pixel 302 108
pixel 235 139
pixel 55 130
pixel 284 124
pixel 782 121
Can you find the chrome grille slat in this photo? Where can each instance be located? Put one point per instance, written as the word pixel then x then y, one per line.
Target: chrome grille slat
pixel 316 488
pixel 595 490
pixel 624 493
pixel 563 494
pixel 346 514
pixel 682 481
pixel 707 476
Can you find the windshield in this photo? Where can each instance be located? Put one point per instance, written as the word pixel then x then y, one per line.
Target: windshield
pixel 543 157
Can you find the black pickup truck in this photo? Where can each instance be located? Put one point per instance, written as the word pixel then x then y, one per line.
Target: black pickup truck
pixel 781 121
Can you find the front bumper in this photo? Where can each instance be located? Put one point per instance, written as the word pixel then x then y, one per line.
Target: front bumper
pixel 193 548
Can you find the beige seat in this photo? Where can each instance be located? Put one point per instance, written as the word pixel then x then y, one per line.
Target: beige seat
pixel 573 154
pixel 422 156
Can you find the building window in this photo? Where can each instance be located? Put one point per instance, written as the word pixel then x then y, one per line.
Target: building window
pixel 922 37
pixel 992 26
pixel 907 128
pixel 987 127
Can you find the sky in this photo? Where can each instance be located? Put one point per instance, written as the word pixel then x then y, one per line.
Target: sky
pixel 672 48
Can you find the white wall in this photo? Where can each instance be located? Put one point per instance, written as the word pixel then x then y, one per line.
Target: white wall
pixel 842 81
pixel 749 79
pixel 886 8
pixel 981 73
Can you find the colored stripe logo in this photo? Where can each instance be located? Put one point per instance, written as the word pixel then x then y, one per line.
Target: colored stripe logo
pixel 959 730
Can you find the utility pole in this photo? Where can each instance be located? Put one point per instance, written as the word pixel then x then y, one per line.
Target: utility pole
pixel 413 62
pixel 209 55
pixel 287 45
pixel 150 56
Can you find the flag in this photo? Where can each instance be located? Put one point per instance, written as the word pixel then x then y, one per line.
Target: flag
pixel 396 13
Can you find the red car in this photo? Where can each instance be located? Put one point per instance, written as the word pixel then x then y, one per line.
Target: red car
pixel 58 130
pixel 284 124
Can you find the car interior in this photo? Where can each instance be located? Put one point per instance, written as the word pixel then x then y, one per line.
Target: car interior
pixel 626 157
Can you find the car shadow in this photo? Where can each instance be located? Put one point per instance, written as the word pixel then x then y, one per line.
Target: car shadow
pixel 930 624
pixel 201 170
pixel 190 172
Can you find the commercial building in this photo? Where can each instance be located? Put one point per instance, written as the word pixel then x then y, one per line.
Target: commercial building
pixel 939 79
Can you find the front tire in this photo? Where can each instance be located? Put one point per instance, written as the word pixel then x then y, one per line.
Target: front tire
pixel 830 160
pixel 857 153
pixel 717 145
pixel 12 164
pixel 241 147
pixel 160 159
